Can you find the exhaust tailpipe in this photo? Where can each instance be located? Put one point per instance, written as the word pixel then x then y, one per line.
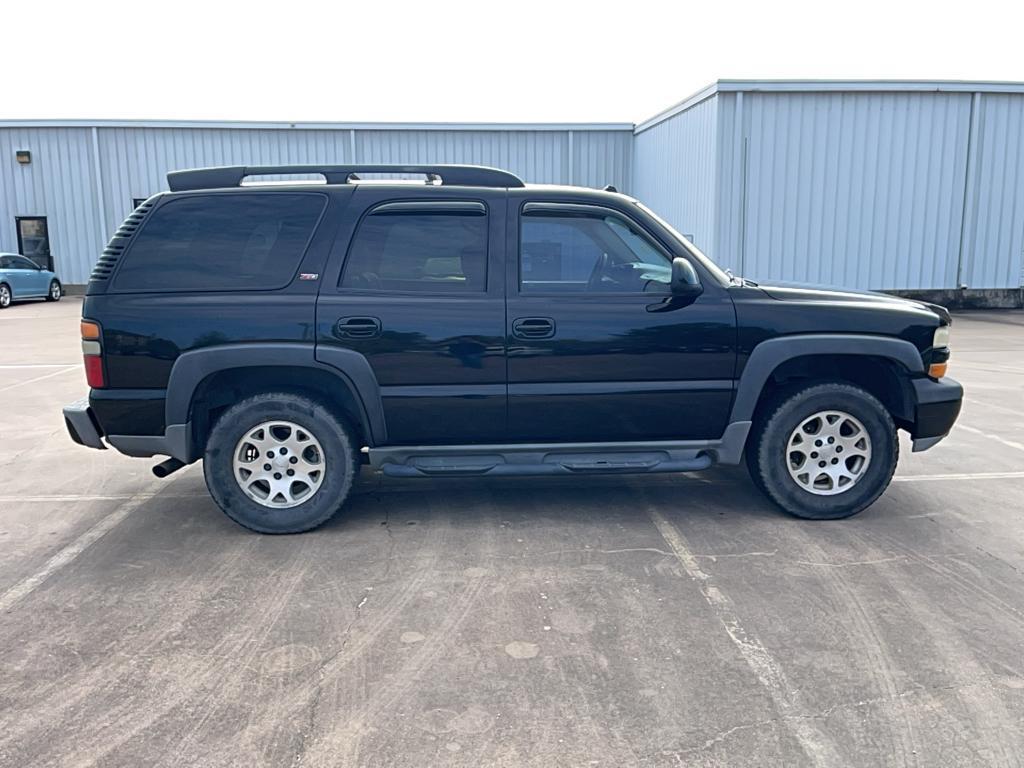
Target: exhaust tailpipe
pixel 164 468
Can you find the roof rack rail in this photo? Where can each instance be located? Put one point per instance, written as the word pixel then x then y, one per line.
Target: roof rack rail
pixel 449 175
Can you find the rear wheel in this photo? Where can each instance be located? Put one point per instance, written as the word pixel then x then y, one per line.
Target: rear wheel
pixel 824 452
pixel 5 296
pixel 55 291
pixel 279 463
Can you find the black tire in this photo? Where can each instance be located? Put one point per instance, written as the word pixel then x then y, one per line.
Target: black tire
pixel 767 450
pixel 50 294
pixel 6 296
pixel 340 458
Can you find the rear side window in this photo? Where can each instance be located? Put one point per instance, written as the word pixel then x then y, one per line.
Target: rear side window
pixel 220 242
pixel 401 248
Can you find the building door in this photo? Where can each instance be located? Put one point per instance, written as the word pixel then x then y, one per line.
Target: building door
pixel 34 240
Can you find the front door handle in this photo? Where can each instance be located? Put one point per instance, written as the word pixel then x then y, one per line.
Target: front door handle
pixel 357 328
pixel 533 328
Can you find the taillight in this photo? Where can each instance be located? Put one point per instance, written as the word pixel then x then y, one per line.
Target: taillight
pixel 92 353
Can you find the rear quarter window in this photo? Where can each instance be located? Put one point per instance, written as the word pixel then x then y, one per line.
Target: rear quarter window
pixel 221 242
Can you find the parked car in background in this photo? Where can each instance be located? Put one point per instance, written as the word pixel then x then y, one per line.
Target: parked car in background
pixel 22 278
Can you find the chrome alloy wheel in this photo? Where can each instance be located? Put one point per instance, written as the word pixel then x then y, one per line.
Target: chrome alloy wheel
pixel 55 291
pixel 279 464
pixel 5 295
pixel 828 453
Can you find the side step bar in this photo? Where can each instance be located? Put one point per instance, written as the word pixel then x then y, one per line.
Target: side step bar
pixel 549 464
pixel 561 458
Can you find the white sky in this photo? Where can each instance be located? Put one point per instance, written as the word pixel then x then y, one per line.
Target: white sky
pixel 515 61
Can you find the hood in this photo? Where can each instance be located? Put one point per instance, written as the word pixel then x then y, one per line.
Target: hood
pixel 785 291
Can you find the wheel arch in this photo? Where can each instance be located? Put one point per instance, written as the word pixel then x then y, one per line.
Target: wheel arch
pixel 204 382
pixel 882 366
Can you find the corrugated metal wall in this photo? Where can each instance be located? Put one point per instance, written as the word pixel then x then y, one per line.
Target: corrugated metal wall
pixel 133 161
pixel 859 190
pixel 60 184
pixel 993 254
pixel 890 189
pixel 911 190
pixel 676 171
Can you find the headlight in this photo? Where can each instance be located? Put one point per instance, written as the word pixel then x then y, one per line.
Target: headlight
pixel 941 337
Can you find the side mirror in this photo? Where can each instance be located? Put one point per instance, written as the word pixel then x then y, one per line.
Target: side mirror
pixel 685 281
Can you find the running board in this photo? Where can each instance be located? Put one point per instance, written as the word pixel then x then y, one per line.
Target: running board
pixel 559 458
pixel 550 464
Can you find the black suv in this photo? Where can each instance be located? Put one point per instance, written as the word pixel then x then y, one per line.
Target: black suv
pixel 470 324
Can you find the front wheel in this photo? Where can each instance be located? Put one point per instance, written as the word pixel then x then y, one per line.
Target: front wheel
pixel 55 291
pixel 279 463
pixel 824 452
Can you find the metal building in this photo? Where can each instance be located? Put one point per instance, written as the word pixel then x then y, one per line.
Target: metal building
pixel 906 186
pixel 80 179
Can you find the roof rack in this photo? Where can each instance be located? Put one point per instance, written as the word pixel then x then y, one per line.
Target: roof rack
pixel 448 175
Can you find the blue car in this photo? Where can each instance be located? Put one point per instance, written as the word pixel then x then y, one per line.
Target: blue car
pixel 22 278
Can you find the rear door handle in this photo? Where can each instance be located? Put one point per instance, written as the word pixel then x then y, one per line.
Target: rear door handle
pixel 533 328
pixel 357 328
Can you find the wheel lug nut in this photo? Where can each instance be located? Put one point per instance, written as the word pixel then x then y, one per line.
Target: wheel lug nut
pixel 835 461
pixel 270 454
pixel 814 455
pixel 266 467
pixel 291 473
pixel 293 460
pixel 821 463
pixel 277 475
pixel 284 451
pixel 817 443
pixel 839 449
pixel 831 440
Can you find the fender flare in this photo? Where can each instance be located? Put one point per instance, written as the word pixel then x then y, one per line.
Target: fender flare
pixel 770 354
pixel 352 368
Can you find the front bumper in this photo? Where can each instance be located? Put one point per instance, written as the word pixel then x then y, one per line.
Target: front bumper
pixel 937 406
pixel 82 424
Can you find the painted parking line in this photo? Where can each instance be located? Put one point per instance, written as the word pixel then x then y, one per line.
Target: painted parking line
pixel 959 476
pixel 990 436
pixel 77 497
pixel 68 554
pixel 815 742
pixel 39 378
pixel 22 366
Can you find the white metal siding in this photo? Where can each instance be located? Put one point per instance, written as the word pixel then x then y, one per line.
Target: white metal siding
pixel 861 190
pixel 61 183
pixel 994 224
pixel 675 171
pixel 58 184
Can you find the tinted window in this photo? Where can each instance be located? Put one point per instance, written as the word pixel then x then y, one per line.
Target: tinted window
pixel 20 262
pixel 216 242
pixel 431 251
pixel 589 253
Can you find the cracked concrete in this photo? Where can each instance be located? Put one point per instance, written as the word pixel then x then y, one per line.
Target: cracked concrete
pixel 542 622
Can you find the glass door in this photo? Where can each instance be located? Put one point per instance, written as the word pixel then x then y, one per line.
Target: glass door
pixel 34 240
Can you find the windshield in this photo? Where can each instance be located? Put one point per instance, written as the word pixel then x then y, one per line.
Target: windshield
pixel 722 276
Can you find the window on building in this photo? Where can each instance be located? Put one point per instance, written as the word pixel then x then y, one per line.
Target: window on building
pixel 406 247
pixel 34 239
pixel 584 253
pixel 217 242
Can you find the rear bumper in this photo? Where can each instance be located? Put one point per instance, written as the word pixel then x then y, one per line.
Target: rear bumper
pixel 85 426
pixel 936 409
pixel 82 424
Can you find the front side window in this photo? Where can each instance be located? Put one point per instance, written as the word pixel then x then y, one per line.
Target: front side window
pixel 221 242
pixel 398 248
pixel 588 253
